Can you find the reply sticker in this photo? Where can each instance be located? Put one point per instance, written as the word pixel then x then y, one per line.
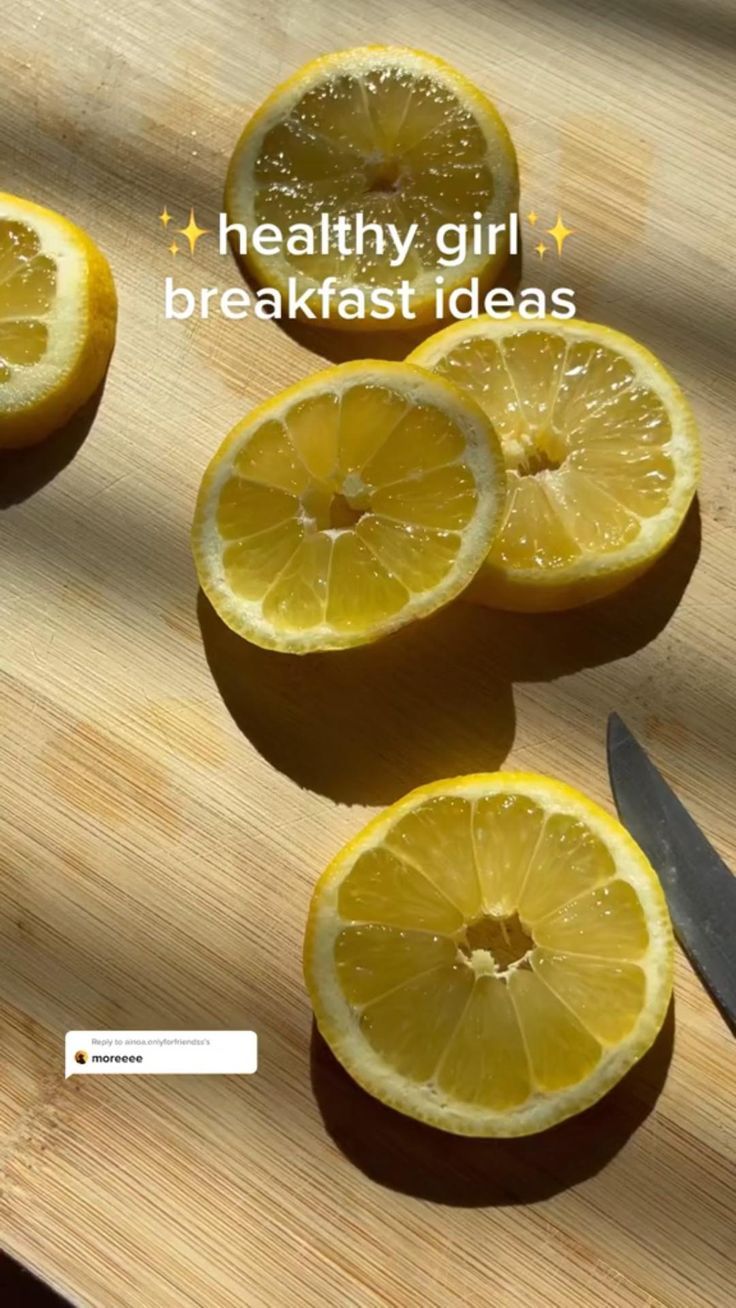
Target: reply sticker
pixel 160 1052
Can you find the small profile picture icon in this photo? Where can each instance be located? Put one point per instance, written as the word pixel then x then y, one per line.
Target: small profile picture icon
pixel 81 1056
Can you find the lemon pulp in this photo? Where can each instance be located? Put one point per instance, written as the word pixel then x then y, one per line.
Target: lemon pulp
pixel 395 144
pixel 27 290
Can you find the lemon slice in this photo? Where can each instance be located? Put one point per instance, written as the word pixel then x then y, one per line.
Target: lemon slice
pixel 490 955
pixel 350 504
pixel 57 320
pixel 601 450
pixel 394 134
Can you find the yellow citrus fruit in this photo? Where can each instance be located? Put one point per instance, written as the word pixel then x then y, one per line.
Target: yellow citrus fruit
pixel 490 955
pixel 352 503
pixel 395 134
pixel 57 320
pixel 601 450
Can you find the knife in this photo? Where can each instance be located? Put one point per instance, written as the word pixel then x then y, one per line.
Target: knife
pixel 700 889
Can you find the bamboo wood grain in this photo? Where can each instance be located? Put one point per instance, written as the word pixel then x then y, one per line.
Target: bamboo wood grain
pixel 170 794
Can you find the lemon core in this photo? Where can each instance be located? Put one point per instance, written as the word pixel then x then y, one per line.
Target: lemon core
pixel 504 938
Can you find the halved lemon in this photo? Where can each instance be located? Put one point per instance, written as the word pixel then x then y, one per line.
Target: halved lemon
pixel 395 134
pixel 490 955
pixel 352 503
pixel 601 450
pixel 57 320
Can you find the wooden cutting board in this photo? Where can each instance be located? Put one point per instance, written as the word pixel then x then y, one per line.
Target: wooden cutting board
pixel 170 794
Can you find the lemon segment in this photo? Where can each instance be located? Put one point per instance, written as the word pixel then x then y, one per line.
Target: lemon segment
pixel 602 454
pixel 604 995
pixel 393 134
pixel 485 1063
pixel 349 505
pixel 490 955
pixel 57 320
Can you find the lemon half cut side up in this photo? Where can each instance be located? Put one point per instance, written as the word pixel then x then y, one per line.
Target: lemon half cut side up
pixel 394 134
pixel 351 504
pixel 489 955
pixel 58 313
pixel 601 448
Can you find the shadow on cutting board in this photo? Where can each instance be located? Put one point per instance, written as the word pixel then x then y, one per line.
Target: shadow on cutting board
pixel 342 346
pixel 364 726
pixel 418 1160
pixel 23 472
pixel 544 646
pixel 20 1289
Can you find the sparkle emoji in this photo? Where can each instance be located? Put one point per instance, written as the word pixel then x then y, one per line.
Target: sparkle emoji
pixel 192 232
pixel 560 233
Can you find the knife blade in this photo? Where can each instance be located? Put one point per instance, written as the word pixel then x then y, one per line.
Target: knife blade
pixel 700 889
